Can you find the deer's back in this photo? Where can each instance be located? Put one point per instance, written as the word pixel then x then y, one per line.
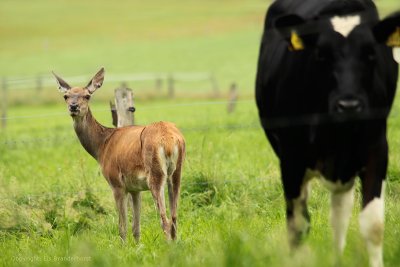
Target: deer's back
pixel 131 151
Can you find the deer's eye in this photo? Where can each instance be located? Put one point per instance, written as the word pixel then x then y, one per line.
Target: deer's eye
pixel 87 97
pixel 66 97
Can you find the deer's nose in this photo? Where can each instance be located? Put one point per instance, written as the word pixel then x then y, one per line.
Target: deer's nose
pixel 73 107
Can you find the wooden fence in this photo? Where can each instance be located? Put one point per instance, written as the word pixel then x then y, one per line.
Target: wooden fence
pixel 123 109
pixel 122 112
pixel 39 82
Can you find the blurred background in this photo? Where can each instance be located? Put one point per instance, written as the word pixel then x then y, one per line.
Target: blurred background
pixel 199 47
pixel 203 46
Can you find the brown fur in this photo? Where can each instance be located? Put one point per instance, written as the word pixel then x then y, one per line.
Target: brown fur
pixel 132 159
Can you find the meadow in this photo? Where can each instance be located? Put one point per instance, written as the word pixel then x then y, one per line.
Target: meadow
pixel 55 207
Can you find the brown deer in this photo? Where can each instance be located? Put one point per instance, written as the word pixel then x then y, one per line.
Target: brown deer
pixel 132 159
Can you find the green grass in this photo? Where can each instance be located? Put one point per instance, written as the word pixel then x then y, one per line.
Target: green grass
pixel 56 204
pixel 55 207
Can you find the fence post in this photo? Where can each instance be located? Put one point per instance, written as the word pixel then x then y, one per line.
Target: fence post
pixel 171 85
pixel 158 84
pixel 124 107
pixel 39 83
pixel 4 104
pixel 214 85
pixel 233 97
pixel 114 114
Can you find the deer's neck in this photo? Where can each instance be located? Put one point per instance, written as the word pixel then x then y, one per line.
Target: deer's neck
pixel 91 134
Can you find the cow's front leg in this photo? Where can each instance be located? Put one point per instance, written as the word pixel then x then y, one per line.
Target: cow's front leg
pixel 296 195
pixel 371 218
pixel 372 226
pixel 342 201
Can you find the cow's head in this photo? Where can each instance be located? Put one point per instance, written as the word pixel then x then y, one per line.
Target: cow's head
pixel 348 55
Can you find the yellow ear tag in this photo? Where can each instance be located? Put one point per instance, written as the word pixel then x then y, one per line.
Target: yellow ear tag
pixel 394 38
pixel 297 43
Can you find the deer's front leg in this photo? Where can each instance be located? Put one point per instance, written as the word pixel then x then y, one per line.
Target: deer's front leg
pixel 120 197
pixel 136 203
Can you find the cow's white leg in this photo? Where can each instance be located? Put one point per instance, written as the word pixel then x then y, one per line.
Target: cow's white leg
pixel 341 208
pixel 372 228
pixel 299 222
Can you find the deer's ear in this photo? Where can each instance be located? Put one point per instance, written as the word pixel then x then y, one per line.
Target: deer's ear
pixel 96 82
pixel 63 86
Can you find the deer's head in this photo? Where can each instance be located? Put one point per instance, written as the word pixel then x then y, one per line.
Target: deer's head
pixel 77 98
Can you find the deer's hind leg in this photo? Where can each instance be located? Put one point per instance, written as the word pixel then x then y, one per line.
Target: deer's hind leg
pixel 157 184
pixel 174 183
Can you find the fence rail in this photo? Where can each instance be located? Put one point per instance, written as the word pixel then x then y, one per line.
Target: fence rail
pixel 46 80
pixel 12 143
pixel 190 104
pixel 160 80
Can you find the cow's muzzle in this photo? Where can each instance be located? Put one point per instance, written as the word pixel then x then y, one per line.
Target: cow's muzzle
pixel 349 105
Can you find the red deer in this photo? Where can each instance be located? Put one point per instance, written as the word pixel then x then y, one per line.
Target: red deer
pixel 132 159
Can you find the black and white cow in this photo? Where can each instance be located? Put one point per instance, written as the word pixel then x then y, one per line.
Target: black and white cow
pixel 325 84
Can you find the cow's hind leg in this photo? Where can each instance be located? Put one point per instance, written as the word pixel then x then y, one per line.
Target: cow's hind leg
pixel 296 195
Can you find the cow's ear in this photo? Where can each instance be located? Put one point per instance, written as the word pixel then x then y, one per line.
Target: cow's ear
pixel 295 30
pixel 387 31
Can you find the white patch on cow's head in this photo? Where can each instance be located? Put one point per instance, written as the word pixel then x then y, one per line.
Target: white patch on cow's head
pixel 344 25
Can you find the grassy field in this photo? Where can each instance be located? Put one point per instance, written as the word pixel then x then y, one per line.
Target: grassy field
pixel 55 207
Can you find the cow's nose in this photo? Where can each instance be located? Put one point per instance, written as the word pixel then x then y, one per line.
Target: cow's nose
pixel 350 105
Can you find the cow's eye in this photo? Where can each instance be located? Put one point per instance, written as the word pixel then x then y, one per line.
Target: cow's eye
pixel 87 97
pixel 323 55
pixel 368 53
pixel 66 97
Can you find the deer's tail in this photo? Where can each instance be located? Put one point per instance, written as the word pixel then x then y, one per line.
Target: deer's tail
pixel 170 151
